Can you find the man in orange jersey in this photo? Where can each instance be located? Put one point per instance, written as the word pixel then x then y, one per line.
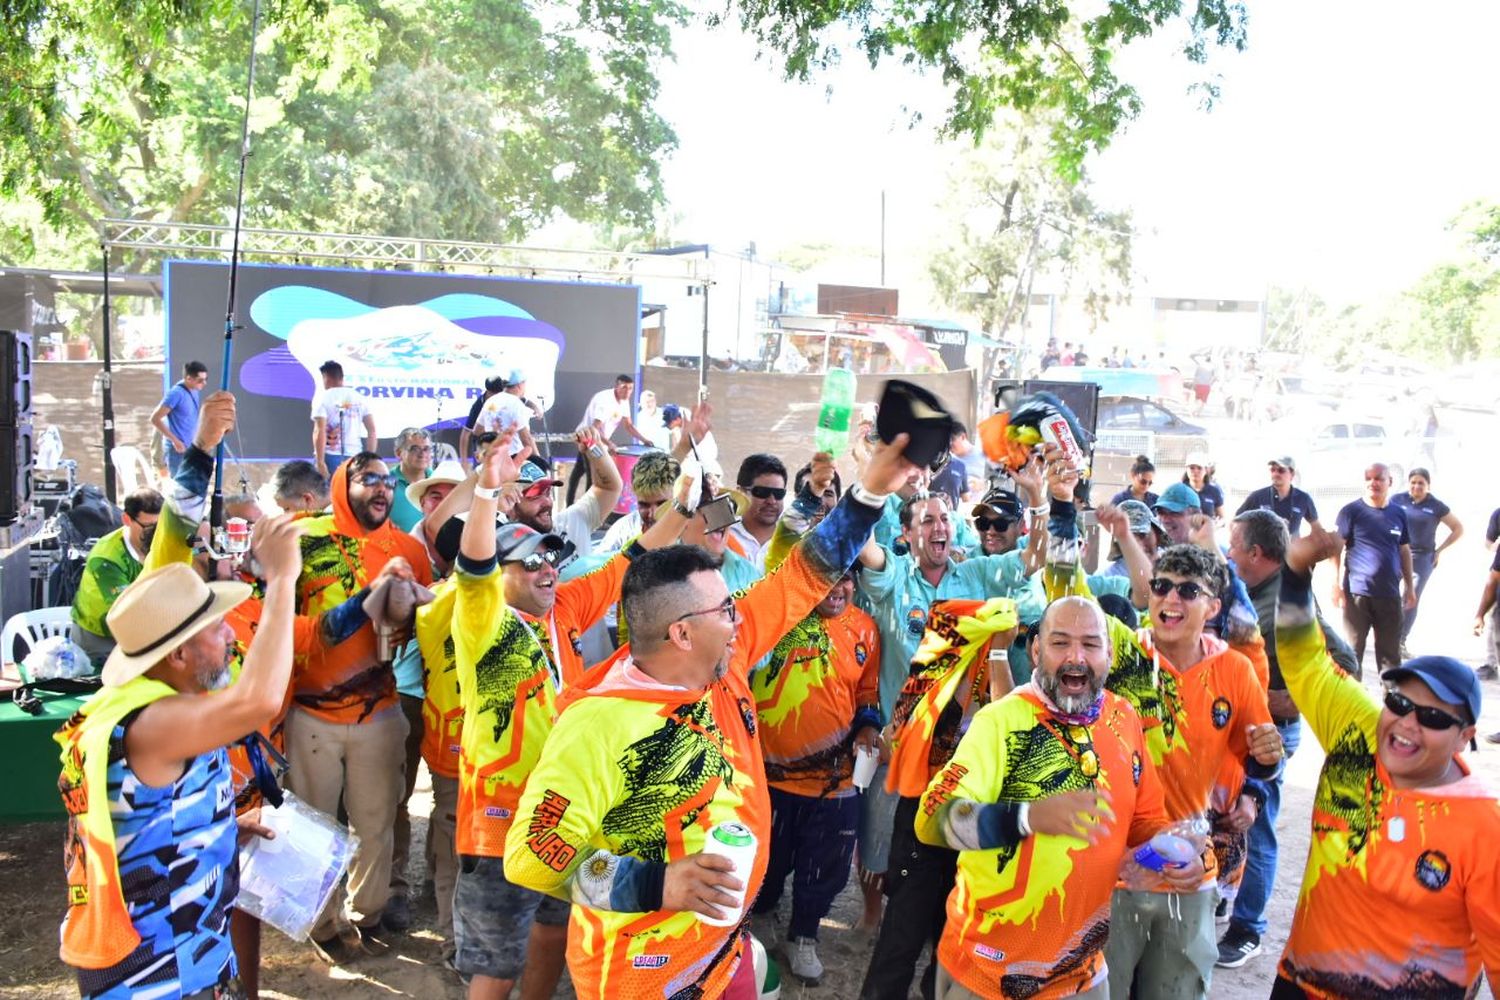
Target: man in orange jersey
pixel 818 702
pixel 657 747
pixel 1047 791
pixel 1401 896
pixel 346 731
pixel 515 638
pixel 1199 702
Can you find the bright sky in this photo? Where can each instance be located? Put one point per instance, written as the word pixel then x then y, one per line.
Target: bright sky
pixel 1346 137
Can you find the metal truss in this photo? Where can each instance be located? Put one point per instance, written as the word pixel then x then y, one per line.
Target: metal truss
pixel 177 239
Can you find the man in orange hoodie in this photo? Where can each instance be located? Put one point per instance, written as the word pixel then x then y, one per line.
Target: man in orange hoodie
pixel 346 733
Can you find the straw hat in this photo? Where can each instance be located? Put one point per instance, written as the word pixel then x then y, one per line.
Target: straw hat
pixel 160 611
pixel 449 472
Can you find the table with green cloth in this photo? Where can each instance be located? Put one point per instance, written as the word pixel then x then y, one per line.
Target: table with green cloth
pixel 29 756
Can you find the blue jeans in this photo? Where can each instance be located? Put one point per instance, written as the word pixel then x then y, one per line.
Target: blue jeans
pixel 1260 864
pixel 1421 571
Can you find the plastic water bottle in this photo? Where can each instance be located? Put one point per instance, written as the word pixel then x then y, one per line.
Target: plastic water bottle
pixel 836 411
pixel 735 841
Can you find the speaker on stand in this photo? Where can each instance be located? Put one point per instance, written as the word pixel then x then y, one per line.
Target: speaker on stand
pixel 15 425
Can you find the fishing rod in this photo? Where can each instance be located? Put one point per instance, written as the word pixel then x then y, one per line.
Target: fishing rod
pixel 216 505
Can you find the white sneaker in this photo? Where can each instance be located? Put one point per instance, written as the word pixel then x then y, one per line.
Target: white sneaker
pixel 805 963
pixel 763 926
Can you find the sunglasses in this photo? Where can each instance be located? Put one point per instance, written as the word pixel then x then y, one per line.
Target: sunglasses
pixel 727 610
pixel 983 524
pixel 1187 589
pixel 370 480
pixel 1427 716
pixel 535 561
pixel 540 488
pixel 767 492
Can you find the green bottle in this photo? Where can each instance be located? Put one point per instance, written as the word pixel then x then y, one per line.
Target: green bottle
pixel 836 411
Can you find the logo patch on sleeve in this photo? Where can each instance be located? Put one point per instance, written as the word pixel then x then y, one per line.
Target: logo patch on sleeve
pixel 1433 870
pixel 1221 712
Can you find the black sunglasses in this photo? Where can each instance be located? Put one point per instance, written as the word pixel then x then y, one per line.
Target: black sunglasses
pixel 534 562
pixel 728 610
pixel 1427 716
pixel 370 480
pixel 767 492
pixel 983 524
pixel 1187 589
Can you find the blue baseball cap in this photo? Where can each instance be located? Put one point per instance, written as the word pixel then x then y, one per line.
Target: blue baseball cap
pixel 1451 680
pixel 1179 497
pixel 532 473
pixel 514 376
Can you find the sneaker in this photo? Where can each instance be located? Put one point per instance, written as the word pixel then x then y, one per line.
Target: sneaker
pixel 1221 912
pixel 763 927
pixel 397 915
pixel 335 950
pixel 1237 947
pixel 1493 737
pixel 805 964
pixel 1488 672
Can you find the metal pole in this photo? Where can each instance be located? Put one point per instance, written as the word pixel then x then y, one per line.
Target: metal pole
pixel 882 237
pixel 703 352
pixel 104 385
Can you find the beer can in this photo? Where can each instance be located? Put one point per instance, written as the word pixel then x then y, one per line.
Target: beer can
pixel 735 841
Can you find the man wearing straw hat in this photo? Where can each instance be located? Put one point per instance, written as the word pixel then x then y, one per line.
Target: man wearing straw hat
pixel 150 852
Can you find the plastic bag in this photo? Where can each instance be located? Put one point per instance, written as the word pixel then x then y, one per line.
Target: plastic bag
pixel 286 881
pixel 56 657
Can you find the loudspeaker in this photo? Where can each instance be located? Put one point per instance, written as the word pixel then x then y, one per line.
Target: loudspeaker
pixel 1082 398
pixel 15 372
pixel 15 471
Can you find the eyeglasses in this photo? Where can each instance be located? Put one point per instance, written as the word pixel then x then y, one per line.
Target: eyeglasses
pixel 535 561
pixel 983 524
pixel 537 489
pixel 1427 716
pixel 767 492
pixel 727 609
pixel 417 449
pixel 370 480
pixel 1280 468
pixel 1186 589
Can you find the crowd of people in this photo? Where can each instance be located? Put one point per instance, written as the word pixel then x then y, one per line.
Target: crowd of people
pixel 1063 781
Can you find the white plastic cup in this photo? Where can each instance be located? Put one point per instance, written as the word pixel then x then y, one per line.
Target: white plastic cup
pixel 866 763
pixel 734 841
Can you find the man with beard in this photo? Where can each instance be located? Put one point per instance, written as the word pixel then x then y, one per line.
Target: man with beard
pixel 150 854
pixel 818 701
pixel 576 522
pixel 1048 790
pixel 762 480
pixel 113 564
pixel 1403 832
pixel 346 730
pixel 1175 509
pixel 1199 702
pixel 665 730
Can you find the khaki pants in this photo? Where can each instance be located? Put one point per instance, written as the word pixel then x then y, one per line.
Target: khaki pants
pixel 364 764
pixel 948 989
pixel 1164 941
pixel 442 831
pixel 411 707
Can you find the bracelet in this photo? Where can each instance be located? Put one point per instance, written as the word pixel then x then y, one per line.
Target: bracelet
pixel 487 492
pixel 682 508
pixel 596 450
pixel 867 498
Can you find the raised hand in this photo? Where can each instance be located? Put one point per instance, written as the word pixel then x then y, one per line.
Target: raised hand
pixel 215 419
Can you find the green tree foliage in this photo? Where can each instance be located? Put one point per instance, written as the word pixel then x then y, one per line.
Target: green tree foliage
pixel 466 119
pixel 1011 219
pixel 1030 56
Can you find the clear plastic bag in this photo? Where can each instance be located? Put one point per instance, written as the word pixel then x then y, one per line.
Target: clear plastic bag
pixel 286 881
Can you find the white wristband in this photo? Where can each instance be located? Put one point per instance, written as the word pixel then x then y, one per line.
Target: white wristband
pixel 1023 819
pixel 597 450
pixel 487 492
pixel 867 498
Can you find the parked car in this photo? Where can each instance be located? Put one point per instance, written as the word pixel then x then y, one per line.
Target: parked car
pixel 1132 425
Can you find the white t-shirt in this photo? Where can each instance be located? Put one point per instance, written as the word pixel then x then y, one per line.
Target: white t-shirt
pixel 606 409
pixel 500 413
pixel 343 411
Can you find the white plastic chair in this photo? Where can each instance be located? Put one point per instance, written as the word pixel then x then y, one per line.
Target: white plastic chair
pixel 31 627
pixel 132 469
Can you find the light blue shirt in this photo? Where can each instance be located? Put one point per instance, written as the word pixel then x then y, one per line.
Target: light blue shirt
pixel 899 597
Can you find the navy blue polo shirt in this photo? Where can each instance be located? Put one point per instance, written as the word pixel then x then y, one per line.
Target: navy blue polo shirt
pixel 1422 520
pixel 1296 506
pixel 1373 537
